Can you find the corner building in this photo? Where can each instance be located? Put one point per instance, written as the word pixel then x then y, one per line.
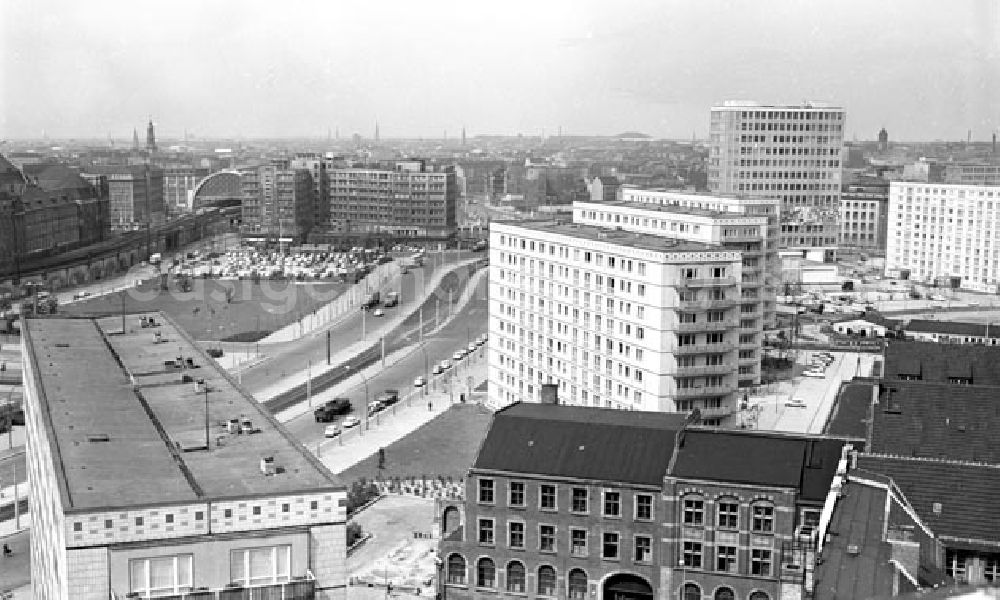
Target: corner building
pixel 615 319
pixel 152 474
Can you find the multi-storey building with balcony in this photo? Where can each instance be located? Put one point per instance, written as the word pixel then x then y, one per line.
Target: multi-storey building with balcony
pixel 277 204
pixel 788 152
pixel 585 503
pixel 615 319
pixel 945 233
pixel 753 252
pixel 153 474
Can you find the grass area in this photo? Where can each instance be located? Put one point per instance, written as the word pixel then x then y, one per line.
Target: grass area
pixel 217 309
pixel 445 446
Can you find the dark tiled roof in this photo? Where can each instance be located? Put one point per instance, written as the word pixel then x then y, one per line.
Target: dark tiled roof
pixel 800 462
pixel 586 443
pixel 858 520
pixel 937 420
pixel 936 362
pixel 9 174
pixel 850 412
pixel 967 494
pixel 53 178
pixel 953 328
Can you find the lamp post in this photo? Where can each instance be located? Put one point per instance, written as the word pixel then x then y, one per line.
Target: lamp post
pixel 427 372
pixel 364 379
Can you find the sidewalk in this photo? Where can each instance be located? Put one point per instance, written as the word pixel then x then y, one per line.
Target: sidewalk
pixel 371 336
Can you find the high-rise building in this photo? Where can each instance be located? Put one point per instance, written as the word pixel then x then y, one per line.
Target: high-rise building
pixel 277 204
pixel 615 319
pixel 788 152
pixel 316 165
pixel 136 194
pixel 945 233
pixel 883 140
pixel 150 137
pixel 153 474
pixel 864 206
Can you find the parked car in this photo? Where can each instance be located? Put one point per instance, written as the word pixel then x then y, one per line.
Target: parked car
pixel 419 382
pixel 812 373
pixel 331 431
pixel 388 397
pixel 375 406
pixel 472 348
pixel 458 356
pixel 351 421
pixel 445 365
pixel 378 312
pixel 796 402
pixel 437 370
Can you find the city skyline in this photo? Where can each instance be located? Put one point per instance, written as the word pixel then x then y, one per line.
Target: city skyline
pixel 226 70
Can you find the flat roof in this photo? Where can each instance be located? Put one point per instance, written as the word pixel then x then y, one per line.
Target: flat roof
pixel 126 430
pixel 618 237
pixel 674 209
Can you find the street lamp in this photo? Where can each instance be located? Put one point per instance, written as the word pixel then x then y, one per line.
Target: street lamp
pixel 427 372
pixel 365 379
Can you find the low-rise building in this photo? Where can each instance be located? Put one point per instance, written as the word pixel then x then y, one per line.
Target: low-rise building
pixel 952 332
pixel 153 474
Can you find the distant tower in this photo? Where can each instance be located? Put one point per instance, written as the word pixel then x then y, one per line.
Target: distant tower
pixel 463 136
pixel 150 137
pixel 376 132
pixel 338 133
pixel 883 140
pixel 994 144
pixel 135 139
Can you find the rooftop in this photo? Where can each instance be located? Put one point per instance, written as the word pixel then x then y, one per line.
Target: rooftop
pixel 931 361
pixel 675 209
pixel 952 328
pixel 618 237
pixel 581 442
pixel 55 177
pixel 805 463
pixel 126 430
pixel 849 417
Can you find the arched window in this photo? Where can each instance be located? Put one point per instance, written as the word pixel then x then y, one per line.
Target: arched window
pixel 724 593
pixel 486 573
pixel 759 595
pixel 515 577
pixel 577 584
pixel 456 569
pixel 546 581
pixel 690 591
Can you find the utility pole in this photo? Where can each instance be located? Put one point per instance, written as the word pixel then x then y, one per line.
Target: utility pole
pixel 437 314
pixel 383 352
pixel 364 311
pixel 328 347
pixel 122 293
pixel 421 334
pixel 309 381
pixel 208 441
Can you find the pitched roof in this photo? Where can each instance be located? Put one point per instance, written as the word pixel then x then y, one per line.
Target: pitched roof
pixel 850 411
pixel 9 174
pixel 937 420
pixel 932 361
pixel 580 442
pixel 966 493
pixel 51 177
pixel 952 328
pixel 805 463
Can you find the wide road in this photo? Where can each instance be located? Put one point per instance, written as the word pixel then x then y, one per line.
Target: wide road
pixel 469 323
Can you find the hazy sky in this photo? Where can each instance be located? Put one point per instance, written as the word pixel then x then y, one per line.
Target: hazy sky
pixel 923 69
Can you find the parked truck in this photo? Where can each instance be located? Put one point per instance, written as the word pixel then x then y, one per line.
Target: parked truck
pixel 391 299
pixel 372 301
pixel 329 410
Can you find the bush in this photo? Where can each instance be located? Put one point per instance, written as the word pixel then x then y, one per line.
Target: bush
pixel 362 492
pixel 354 533
pixel 215 352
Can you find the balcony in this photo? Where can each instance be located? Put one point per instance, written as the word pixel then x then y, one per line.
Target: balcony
pixel 716 412
pixel 704 348
pixel 699 305
pixel 706 326
pixel 696 282
pixel 304 589
pixel 682 371
pixel 708 390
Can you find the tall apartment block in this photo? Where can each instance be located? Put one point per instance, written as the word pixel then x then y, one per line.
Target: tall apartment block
pixel 789 152
pixel 316 165
pixel 945 233
pixel 756 255
pixel 615 319
pixel 408 200
pixel 740 233
pixel 153 474
pixel 277 204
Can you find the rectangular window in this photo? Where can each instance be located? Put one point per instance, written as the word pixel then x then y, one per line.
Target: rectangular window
pixel 515 534
pixel 643 548
pixel 760 562
pixel 578 542
pixel 692 555
pixel 609 549
pixel 486 532
pixel 486 489
pixel 261 566
pixel 547 497
pixel 729 514
pixel 644 507
pixel 694 511
pixel 612 504
pixel 516 493
pixel 580 497
pixel 763 518
pixel 547 538
pixel 162 575
pixel 725 560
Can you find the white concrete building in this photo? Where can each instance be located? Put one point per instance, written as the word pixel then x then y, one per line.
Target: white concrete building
pixel 614 318
pixel 788 152
pixel 945 232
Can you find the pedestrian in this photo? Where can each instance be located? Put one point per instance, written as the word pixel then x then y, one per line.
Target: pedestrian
pixel 430 406
pixel 7 551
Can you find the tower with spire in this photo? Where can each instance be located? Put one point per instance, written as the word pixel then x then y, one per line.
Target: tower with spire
pixel 883 140
pixel 135 139
pixel 376 132
pixel 463 135
pixel 150 137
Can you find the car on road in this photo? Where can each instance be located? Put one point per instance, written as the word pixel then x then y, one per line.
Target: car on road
pixel 458 356
pixel 438 369
pixel 388 397
pixel 375 406
pixel 445 365
pixel 419 382
pixel 351 421
pixel 814 373
pixel 328 411
pixel 331 431
pixel 472 348
pixel 378 313
pixel 796 402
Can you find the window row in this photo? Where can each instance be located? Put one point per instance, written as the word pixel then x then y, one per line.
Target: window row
pixel 580 499
pixel 726 559
pixel 579 540
pixel 727 514
pixel 692 591
pixel 516 577
pixel 163 575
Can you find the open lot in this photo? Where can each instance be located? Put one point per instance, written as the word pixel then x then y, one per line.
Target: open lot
pixel 445 446
pixel 219 309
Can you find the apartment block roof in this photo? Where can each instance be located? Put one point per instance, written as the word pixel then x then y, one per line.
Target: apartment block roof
pixel 953 328
pixel 931 361
pixel 675 209
pixel 937 420
pixel 127 428
pixel 581 443
pixel 642 241
pixel 957 500
pixel 804 463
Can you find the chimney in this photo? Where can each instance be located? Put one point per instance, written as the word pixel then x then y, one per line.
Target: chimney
pixel 550 393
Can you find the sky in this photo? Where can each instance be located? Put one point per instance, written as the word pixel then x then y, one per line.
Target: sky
pixel 923 69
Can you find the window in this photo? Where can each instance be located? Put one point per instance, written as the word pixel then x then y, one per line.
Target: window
pixel 200 515
pixel 643 507
pixel 486 488
pixel 162 575
pixel 486 531
pixel 991 568
pixel 578 542
pixel 547 497
pixel 546 581
pixel 579 500
pixel 138 521
pixel 547 538
pixel 729 513
pixel 725 560
pixel 759 595
pixel 612 504
pixel 228 513
pixel 694 511
pixel 956 565
pixel 609 548
pixel 643 548
pixel 261 566
pixel 515 534
pixel 456 569
pixel 516 497
pixel 691 592
pixel 515 577
pixel 692 555
pixel 486 573
pixel 576 585
pixel 760 562
pixel 763 518
pixel 724 593
pixel 78 526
